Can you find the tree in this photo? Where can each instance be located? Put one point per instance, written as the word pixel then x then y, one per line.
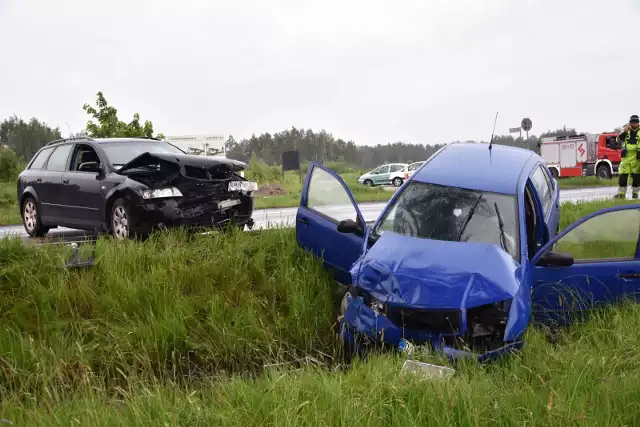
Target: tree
pixel 109 126
pixel 25 138
pixel 10 165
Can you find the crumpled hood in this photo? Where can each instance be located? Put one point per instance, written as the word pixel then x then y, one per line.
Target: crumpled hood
pixel 204 162
pixel 435 274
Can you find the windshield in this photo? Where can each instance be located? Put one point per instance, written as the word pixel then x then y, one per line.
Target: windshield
pixel 121 153
pixel 437 212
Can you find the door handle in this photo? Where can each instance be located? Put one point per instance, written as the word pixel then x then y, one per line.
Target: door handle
pixel 302 221
pixel 629 276
pixel 39 180
pixel 65 181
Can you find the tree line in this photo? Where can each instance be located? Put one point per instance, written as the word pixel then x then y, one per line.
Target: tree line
pixel 24 138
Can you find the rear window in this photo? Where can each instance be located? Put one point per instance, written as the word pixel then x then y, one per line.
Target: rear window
pixel 40 159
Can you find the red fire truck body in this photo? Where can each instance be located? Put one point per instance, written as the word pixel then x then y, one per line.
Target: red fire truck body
pixel 582 155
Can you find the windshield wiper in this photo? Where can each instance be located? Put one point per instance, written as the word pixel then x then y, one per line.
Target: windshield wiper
pixel 468 218
pixel 503 239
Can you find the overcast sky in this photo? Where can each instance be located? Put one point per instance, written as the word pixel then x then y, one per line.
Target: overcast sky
pixel 426 71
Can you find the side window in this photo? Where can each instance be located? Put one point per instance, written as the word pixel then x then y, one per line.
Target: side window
pixel 415 166
pixel 542 188
pixel 396 168
pixel 84 159
pixel 59 158
pixel 40 159
pixel 327 196
pixel 612 143
pixel 609 236
pixel 383 169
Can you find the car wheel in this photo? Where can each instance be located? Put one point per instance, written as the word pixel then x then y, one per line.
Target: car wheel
pixel 31 218
pixel 603 172
pixel 397 182
pixel 120 220
pixel 368 183
pixel 554 173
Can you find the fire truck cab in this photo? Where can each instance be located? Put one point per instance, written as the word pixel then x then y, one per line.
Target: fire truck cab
pixel 582 155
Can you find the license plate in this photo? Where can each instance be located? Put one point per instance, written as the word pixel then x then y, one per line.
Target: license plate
pixel 427 370
pixel 225 204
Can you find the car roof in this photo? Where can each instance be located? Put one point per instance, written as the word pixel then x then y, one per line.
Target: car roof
pixel 87 139
pixel 472 166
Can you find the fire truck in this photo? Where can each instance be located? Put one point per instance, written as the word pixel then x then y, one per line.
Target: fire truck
pixel 582 155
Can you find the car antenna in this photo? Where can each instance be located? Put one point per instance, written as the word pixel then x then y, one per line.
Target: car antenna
pixel 493 132
pixel 70 131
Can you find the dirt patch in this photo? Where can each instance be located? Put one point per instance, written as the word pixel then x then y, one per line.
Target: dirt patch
pixel 271 190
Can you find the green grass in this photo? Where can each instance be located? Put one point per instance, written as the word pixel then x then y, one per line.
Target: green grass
pixel 585 182
pixel 237 330
pixel 9 212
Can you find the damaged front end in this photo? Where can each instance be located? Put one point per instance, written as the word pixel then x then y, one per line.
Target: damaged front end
pixel 191 191
pixel 461 299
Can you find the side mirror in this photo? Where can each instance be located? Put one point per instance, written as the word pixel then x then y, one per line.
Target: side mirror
pixel 90 167
pixel 556 259
pixel 349 226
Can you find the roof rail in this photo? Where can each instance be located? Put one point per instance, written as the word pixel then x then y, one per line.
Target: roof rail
pixel 74 138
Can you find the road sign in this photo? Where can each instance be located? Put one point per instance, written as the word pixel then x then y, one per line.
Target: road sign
pixel 514 130
pixel 526 124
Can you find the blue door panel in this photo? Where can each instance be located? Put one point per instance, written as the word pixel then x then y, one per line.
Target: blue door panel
pixel 564 294
pixel 561 295
pixel 318 233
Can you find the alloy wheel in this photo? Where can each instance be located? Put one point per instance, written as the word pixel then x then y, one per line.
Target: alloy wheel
pixel 30 215
pixel 120 223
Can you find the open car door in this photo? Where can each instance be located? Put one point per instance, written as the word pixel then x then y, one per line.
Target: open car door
pixel 325 203
pixel 594 261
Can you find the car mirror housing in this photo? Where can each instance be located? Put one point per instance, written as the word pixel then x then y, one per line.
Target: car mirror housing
pixel 556 259
pixel 349 226
pixel 90 167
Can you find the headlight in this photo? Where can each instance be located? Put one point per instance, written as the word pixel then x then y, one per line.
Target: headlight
pixel 243 186
pixel 161 193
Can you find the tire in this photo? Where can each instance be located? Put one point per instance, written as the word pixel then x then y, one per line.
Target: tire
pixel 603 172
pixel 30 214
pixel 119 220
pixel 554 173
pixel 368 183
pixel 397 182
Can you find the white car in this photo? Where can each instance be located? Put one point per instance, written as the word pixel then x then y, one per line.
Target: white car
pixel 397 178
pixel 382 175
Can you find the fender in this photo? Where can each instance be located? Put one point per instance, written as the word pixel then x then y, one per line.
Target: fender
pixel 606 161
pixel 114 193
pixel 28 191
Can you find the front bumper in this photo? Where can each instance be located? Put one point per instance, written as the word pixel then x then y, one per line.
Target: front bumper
pixel 377 327
pixel 179 213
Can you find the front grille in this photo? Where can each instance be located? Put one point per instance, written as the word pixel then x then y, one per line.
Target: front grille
pixel 421 319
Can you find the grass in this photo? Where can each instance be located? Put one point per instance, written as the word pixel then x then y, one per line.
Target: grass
pixel 9 212
pixel 586 182
pixel 237 330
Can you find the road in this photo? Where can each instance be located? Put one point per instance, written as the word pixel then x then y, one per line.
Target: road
pixel 285 217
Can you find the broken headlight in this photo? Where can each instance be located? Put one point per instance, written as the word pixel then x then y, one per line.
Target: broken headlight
pixel 373 303
pixel 245 186
pixel 160 193
pixel 487 320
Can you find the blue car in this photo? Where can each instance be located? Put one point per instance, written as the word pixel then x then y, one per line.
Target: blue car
pixel 467 254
